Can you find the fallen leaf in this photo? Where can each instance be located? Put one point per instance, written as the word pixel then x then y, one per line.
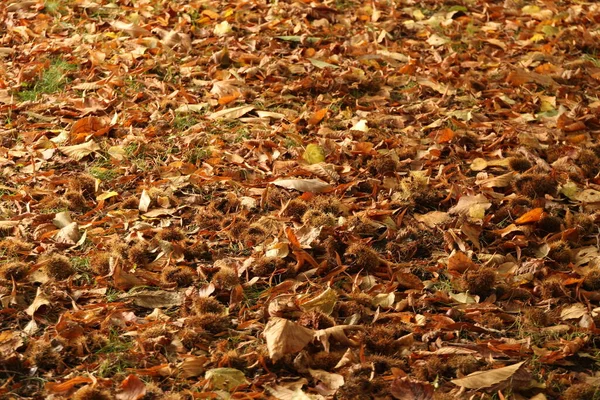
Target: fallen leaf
pixel 225 378
pixel 79 151
pixel 231 113
pixel 303 185
pixel 285 337
pixel 409 389
pixel 484 379
pixel 132 388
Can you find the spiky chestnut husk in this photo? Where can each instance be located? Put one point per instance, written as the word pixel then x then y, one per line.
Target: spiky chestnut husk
pixel 492 321
pixel 537 317
pixel 362 257
pixel 181 275
pixel 295 209
pixel 327 205
pixel 552 288
pixel 209 220
pixel 75 200
pixel 318 218
pixel 14 270
pixel 139 254
pixel 465 364
pixel 154 332
pixel 213 323
pixel 588 162
pixel 276 197
pixel 130 203
pixel 84 183
pixel 383 340
pixel 385 165
pixel 255 233
pixel 535 185
pixel 382 364
pixel 480 281
pixel 198 250
pixel 43 356
pixel 226 278
pixel 266 266
pixel 560 252
pixel 519 164
pixel 58 267
pixel 581 391
pixel 207 305
pixel 171 234
pixel 100 263
pixel 91 393
pixel 592 280
pixel 153 392
pixel 549 224
pixel 325 360
pixel 190 338
pixel 315 320
pixel 584 224
pixel 429 370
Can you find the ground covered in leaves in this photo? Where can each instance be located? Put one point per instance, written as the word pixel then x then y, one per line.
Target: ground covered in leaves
pixel 294 199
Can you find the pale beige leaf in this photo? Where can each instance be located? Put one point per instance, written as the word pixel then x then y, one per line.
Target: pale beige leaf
pixel 465 203
pixel 484 379
pixel 62 219
pixel 225 378
pixel 145 201
pixel 193 366
pixel 231 113
pixel 332 381
pixel 285 337
pixel 155 298
pixel 69 234
pixel 39 301
pixel 433 218
pixel 573 311
pixel 79 151
pixel 338 333
pixel 323 302
pixel 131 29
pixel 323 170
pixel 360 126
pixel 303 185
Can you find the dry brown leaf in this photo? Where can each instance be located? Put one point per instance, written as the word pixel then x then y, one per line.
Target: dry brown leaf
pixel 285 337
pixel 231 113
pixel 132 388
pixel 303 185
pixel 486 379
pixel 79 151
pixel 155 298
pixel 409 389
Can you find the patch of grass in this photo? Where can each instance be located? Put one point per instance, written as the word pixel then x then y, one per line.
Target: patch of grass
pixel 55 6
pixel 592 58
pixel 112 295
pixel 104 174
pixel 198 155
pixel 183 122
pixel 82 266
pixel 52 80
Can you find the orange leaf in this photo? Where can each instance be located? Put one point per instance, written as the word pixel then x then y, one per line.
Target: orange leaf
pixel 530 216
pixel 132 388
pixel 445 135
pixel 230 98
pixel 460 262
pixel 317 116
pixel 68 385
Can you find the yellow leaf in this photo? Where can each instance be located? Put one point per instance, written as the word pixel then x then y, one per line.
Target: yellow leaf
pixel 313 154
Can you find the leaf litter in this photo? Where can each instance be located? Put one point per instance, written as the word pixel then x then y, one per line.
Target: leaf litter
pixel 299 200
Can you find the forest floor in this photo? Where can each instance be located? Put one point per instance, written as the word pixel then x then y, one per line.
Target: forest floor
pixel 299 200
